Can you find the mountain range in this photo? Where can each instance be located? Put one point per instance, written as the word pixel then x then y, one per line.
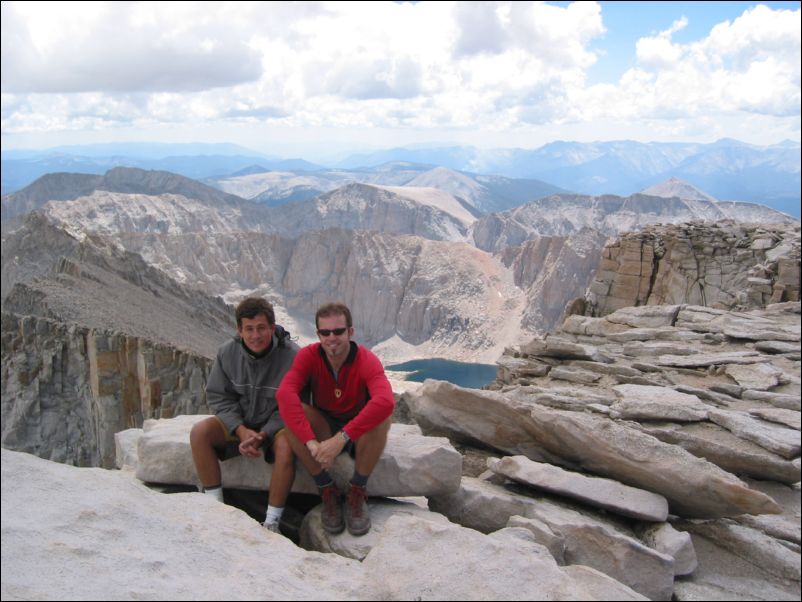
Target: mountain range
pixel 726 169
pixel 117 291
pixel 428 273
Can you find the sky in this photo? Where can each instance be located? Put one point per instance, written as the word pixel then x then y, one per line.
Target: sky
pixel 314 79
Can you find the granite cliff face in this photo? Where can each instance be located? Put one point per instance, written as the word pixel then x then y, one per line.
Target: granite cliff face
pixel 440 293
pixel 67 389
pixel 94 340
pixel 428 213
pixel 389 210
pixel 302 253
pixel 550 269
pixel 725 265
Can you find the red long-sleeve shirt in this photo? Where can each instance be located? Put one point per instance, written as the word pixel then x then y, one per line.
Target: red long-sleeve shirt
pixel 366 398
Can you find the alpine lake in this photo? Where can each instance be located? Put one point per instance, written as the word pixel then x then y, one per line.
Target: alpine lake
pixel 472 376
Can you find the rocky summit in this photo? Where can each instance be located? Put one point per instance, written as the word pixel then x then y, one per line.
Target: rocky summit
pixel 639 442
pixel 727 265
pixel 652 453
pixel 600 424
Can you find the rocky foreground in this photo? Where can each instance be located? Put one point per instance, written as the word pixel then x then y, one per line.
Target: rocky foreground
pixel 651 453
pixel 644 427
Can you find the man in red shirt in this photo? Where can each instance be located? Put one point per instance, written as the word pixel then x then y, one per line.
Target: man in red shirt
pixel 351 407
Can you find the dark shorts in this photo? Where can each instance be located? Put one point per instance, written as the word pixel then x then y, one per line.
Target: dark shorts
pixel 271 428
pixel 337 424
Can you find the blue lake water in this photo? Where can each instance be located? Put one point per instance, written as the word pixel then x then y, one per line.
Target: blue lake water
pixel 473 376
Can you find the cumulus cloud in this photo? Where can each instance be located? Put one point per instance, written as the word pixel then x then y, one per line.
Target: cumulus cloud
pixel 65 47
pixel 658 51
pixel 365 77
pixel 481 28
pixel 472 65
pixel 751 64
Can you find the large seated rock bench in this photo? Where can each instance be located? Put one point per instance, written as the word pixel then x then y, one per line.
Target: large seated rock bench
pixel 411 465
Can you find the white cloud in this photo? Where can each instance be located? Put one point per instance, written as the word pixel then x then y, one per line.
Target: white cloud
pixel 658 51
pixel 749 65
pixel 65 47
pixel 490 66
pixel 481 28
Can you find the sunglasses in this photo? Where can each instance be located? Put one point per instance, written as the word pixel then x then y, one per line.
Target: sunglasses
pixel 324 332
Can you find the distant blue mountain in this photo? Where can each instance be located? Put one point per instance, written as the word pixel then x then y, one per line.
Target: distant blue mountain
pixel 197 160
pixel 68 186
pixel 18 173
pixel 727 169
pixel 454 157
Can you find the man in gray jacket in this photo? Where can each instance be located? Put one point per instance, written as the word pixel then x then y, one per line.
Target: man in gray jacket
pixel 241 391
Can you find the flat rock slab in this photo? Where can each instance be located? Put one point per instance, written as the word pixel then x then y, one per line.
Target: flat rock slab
pixel 779 439
pixel 694 487
pixel 703 360
pixel 777 347
pixel 600 544
pixel 411 464
pixel 780 416
pixel 588 540
pixel 640 402
pixel 738 326
pixel 417 559
pixel 761 549
pixel 562 348
pixel 652 347
pixel 778 400
pixel 602 493
pixel 645 316
pixel 761 377
pixel 716 444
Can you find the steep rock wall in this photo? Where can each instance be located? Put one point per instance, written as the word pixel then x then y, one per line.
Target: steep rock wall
pixel 551 270
pixel 723 265
pixel 67 389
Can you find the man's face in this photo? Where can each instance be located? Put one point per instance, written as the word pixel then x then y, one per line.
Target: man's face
pixel 256 332
pixel 336 346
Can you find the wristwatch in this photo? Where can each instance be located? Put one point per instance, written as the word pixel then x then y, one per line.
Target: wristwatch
pixel 346 438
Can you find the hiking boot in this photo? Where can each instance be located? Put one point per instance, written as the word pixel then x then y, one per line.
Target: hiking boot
pixel 332 515
pixel 357 515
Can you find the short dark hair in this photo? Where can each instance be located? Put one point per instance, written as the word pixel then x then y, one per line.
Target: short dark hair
pixel 250 307
pixel 334 309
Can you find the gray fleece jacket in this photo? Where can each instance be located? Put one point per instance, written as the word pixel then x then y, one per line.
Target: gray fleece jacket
pixel 241 388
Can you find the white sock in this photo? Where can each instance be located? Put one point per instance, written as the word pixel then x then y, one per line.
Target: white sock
pixel 273 514
pixel 215 492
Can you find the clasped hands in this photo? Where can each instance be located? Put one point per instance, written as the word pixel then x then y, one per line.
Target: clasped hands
pixel 326 452
pixel 250 442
